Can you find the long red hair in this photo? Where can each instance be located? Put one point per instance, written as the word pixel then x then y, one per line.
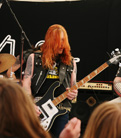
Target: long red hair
pixel 52 44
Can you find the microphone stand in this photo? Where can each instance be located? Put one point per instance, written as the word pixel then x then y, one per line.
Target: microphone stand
pixel 23 36
pixel 21 60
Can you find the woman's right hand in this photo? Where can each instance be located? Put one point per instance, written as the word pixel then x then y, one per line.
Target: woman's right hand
pixel 72 129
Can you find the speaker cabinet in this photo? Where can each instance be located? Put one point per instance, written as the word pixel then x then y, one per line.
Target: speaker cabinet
pixel 87 100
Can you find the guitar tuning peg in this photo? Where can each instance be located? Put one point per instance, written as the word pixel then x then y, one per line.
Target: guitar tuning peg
pixel 112 53
pixel 120 64
pixel 117 49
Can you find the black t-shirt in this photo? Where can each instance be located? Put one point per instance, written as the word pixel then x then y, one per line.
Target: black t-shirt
pixel 52 76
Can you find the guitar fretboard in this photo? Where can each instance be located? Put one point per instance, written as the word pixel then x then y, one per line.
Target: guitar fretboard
pixel 63 96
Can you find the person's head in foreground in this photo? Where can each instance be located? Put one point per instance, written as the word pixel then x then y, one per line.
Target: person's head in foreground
pixel 105 121
pixel 17 113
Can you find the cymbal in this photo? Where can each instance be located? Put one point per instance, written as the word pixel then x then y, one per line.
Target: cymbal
pixel 6 61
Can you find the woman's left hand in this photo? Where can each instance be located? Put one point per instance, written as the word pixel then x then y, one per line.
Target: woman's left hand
pixel 71 94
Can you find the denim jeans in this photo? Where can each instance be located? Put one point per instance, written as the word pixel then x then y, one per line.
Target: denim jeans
pixel 59 124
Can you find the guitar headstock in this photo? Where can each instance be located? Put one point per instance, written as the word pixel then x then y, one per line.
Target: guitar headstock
pixel 116 52
pixel 116 56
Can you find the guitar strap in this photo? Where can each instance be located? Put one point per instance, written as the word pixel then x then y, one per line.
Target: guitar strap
pixel 62 72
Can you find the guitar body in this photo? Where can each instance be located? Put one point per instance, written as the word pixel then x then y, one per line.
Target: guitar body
pixel 48 109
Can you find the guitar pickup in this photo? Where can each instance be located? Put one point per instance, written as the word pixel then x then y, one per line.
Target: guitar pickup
pixel 49 105
pixel 49 108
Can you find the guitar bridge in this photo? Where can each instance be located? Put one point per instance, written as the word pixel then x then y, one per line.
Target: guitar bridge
pixel 42 115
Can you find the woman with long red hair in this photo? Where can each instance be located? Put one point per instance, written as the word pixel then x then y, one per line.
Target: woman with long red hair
pixel 48 74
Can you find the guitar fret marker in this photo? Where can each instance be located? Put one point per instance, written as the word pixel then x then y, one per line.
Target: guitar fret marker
pixel 59 98
pixel 82 81
pixel 76 85
pixel 88 77
pixel 56 100
pixel 95 71
pixel 69 90
pixel 63 96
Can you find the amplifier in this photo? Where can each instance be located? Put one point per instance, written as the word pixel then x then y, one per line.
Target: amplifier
pixel 96 86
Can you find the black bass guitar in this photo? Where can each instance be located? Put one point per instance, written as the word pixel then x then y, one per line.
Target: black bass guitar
pixel 48 105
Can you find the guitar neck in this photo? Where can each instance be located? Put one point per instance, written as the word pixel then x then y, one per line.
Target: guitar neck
pixel 63 96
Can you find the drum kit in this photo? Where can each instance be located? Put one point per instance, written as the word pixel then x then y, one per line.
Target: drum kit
pixel 6 62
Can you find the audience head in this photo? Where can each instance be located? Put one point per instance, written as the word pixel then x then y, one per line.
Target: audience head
pixel 17 113
pixel 105 121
